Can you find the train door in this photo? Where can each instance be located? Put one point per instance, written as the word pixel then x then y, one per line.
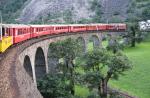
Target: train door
pixel 2 32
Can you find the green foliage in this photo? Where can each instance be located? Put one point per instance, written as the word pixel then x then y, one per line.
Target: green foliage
pixel 53 86
pixel 114 45
pixel 66 50
pixel 100 66
pixel 9 9
pixel 96 7
pixel 138 10
pixel 68 15
pixel 84 21
pixel 146 13
pixel 115 19
pixel 135 82
pixel 91 79
pixel 134 35
pixel 118 64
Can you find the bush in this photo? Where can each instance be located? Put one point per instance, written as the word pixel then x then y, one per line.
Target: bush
pixel 53 86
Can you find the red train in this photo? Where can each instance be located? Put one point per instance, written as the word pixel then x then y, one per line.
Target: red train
pixel 14 33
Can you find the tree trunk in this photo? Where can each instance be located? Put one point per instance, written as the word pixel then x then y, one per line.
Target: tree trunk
pixel 133 42
pixel 104 83
pixel 133 37
pixel 72 77
pixel 72 82
pixel 114 51
pixel 100 89
pixel 104 88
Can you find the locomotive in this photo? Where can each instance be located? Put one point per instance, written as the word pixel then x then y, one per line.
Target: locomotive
pixel 11 34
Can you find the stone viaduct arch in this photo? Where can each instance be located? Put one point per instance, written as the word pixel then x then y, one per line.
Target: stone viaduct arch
pixel 27 66
pixel 40 65
pixel 96 41
pixel 82 42
pixel 38 53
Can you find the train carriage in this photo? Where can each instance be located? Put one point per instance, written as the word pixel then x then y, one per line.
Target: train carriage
pixel 116 27
pixel 61 29
pixel 20 33
pixel 15 33
pixel 122 26
pixel 102 27
pixel 78 27
pixel 92 27
pixel 6 39
pixel 39 30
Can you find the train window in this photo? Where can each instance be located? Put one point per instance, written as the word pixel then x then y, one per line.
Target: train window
pixel 36 29
pixel 24 30
pixel 7 32
pixel 27 30
pixel 19 31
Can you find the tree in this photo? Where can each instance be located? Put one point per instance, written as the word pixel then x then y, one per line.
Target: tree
pixel 53 86
pixel 146 13
pixel 100 66
pixel 114 44
pixel 96 7
pixel 133 36
pixel 67 51
pixel 134 33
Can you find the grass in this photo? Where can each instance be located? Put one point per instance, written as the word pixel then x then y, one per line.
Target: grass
pixel 82 91
pixel 136 81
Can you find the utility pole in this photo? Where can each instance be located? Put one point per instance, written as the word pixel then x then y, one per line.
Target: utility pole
pixel 1 25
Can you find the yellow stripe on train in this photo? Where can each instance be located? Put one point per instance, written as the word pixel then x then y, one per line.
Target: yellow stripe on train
pixel 5 43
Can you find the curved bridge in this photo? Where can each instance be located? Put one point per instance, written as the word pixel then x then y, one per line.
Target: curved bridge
pixel 23 64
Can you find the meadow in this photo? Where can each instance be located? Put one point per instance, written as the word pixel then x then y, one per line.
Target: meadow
pixel 136 82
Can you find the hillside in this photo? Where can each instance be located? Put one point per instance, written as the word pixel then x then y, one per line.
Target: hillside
pixel 73 11
pixel 56 10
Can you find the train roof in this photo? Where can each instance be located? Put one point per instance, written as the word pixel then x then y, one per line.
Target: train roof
pixel 15 26
pixel 47 25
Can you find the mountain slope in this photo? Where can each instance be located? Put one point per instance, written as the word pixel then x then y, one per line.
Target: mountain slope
pixel 73 11
pixel 115 9
pixel 44 8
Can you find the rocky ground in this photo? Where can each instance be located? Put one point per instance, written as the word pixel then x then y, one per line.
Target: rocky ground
pixel 80 8
pixel 114 9
pixel 37 8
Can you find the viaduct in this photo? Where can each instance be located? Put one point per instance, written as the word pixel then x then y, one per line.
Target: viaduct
pixel 23 64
